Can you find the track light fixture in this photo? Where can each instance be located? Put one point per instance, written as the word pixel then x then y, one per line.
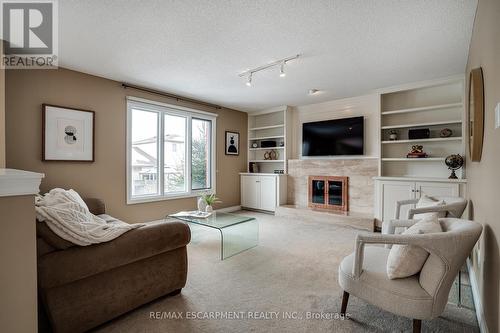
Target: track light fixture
pixel 282 69
pixel 282 62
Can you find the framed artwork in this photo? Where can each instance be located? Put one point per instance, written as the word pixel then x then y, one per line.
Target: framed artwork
pixel 232 143
pixel 476 114
pixel 67 134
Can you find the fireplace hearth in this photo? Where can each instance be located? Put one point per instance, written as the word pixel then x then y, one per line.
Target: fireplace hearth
pixel 328 192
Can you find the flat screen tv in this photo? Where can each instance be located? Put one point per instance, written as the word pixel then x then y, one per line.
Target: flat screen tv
pixel 333 137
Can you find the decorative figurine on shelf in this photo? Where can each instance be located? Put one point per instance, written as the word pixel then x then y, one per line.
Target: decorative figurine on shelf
pixel 454 162
pixel 255 145
pixel 393 135
pixel 417 151
pixel 445 133
pixel 271 155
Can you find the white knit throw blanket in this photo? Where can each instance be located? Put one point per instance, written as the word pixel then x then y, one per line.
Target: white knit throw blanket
pixel 67 215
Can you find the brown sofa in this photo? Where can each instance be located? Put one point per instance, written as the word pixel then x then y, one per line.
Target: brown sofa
pixel 82 287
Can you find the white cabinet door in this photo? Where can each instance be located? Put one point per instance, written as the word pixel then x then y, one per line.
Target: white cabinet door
pixel 250 192
pixel 393 192
pixel 437 189
pixel 268 193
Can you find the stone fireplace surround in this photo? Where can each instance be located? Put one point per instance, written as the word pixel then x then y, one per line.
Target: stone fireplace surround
pixel 360 172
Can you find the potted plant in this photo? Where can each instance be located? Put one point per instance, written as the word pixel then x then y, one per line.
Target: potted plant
pixel 209 200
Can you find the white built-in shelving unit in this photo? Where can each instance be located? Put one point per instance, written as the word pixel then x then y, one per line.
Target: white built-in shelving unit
pixel 432 105
pixel 436 106
pixel 269 125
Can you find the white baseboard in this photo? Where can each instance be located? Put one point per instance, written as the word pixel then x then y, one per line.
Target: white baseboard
pixel 477 299
pixel 229 209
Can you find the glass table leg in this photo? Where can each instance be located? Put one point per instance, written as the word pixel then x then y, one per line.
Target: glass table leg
pixel 459 302
pixel 238 238
pixel 195 235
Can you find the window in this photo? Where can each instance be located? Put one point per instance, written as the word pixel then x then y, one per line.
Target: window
pixel 170 151
pixel 200 150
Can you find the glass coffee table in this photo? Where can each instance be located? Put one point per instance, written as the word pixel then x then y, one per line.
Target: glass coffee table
pixel 238 233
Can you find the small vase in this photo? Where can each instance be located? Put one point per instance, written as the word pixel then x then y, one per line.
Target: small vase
pixel 209 209
pixel 201 204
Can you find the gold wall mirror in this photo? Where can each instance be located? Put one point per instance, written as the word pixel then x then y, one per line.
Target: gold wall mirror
pixel 476 114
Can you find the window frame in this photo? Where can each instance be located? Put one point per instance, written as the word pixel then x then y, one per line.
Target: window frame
pixel 162 109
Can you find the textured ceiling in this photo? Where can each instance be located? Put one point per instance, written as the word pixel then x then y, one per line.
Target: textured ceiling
pixel 198 48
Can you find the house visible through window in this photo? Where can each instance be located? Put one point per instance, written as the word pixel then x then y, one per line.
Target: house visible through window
pixel 179 164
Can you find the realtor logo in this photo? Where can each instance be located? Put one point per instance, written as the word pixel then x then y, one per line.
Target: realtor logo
pixel 29 32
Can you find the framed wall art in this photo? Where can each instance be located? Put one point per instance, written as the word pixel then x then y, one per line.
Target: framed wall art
pixel 476 114
pixel 232 143
pixel 67 134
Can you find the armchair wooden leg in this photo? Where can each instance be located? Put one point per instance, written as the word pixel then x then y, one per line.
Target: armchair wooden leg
pixel 345 299
pixel 417 325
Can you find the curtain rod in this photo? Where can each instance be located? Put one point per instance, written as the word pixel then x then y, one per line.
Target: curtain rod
pixel 177 98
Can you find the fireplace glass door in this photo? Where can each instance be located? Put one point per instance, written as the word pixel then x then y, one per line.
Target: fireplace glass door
pixel 330 192
pixel 318 192
pixel 335 193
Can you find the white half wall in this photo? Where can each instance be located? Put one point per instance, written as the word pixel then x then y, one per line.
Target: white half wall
pixel 366 105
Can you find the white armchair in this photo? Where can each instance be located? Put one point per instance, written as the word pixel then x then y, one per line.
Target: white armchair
pixel 421 296
pixel 453 207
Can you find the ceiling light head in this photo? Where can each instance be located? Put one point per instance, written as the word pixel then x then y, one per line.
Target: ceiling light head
pixel 249 80
pixel 313 91
pixel 282 69
pixel 281 62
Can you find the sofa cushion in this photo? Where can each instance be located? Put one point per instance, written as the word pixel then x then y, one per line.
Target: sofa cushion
pixel 51 238
pixel 42 247
pixel 407 260
pixel 80 262
pixel 95 206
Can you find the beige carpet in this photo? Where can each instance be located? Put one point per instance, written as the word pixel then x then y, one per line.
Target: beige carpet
pixel 293 271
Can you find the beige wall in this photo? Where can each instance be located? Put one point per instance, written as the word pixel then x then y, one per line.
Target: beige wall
pixel 18 303
pixel 26 90
pixel 484 177
pixel 2 113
